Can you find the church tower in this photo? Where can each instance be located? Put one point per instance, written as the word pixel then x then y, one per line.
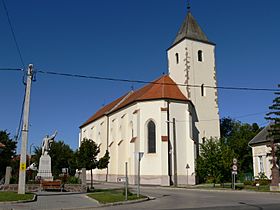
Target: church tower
pixel 191 64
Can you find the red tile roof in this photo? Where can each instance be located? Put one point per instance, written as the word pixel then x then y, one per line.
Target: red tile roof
pixel 162 88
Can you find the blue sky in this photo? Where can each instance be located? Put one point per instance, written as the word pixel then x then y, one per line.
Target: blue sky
pixel 128 39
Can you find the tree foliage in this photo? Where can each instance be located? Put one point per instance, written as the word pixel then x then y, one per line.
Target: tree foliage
pixel 87 156
pixel 214 162
pixel 7 152
pixel 237 135
pixel 274 117
pixel 62 157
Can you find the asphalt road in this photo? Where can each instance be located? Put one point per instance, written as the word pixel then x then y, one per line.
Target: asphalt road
pixel 170 198
pixel 165 198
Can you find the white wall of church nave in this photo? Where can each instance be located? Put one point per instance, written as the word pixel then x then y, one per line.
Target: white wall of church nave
pixel 97 132
pixel 153 163
pixel 121 150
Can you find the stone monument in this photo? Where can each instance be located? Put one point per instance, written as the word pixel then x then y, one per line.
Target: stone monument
pixel 44 172
pixel 8 175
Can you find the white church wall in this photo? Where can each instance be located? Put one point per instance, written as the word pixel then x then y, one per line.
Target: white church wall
pixel 184 142
pixel 97 132
pixel 151 163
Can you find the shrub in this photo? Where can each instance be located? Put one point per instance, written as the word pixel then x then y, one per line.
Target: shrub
pixel 248 182
pixel 73 180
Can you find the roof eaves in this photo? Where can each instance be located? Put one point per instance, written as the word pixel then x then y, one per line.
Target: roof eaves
pixel 192 39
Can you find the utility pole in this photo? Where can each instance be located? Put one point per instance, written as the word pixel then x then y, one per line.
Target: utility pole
pixel 175 153
pixel 22 166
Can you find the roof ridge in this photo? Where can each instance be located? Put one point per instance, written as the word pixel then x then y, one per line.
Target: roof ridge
pixel 162 88
pixel 122 100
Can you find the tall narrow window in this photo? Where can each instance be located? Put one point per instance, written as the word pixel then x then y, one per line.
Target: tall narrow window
pixel 261 164
pixel 199 55
pixel 177 58
pixel 151 137
pixel 202 90
pixel 203 140
pixel 191 126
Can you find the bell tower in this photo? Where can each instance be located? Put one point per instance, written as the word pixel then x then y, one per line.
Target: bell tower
pixel 191 64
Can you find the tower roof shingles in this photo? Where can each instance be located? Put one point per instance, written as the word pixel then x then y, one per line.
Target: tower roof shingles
pixel 191 30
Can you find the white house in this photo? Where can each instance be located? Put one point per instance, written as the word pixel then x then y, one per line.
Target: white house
pixel 146 120
pixel 260 149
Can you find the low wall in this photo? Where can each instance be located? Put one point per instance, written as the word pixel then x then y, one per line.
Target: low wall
pixel 36 188
pixel 14 187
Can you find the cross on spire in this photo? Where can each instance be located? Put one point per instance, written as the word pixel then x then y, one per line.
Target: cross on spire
pixel 189 5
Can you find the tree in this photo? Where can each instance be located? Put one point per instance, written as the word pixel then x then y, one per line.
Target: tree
pixel 214 162
pixel 237 135
pixel 8 151
pixel 274 135
pixel 274 117
pixel 62 157
pixel 87 157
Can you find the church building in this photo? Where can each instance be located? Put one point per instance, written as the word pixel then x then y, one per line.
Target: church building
pixel 165 120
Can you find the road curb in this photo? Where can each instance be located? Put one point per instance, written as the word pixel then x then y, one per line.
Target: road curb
pixel 113 204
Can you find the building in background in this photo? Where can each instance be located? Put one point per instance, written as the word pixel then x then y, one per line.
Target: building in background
pixel 262 161
pixel 144 120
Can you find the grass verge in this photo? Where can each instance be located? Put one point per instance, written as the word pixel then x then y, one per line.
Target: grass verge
pixel 13 196
pixel 238 186
pixel 112 196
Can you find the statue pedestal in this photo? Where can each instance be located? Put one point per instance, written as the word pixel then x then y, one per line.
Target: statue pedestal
pixel 45 166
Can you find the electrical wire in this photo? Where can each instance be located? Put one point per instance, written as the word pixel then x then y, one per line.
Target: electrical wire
pixel 234 117
pixel 18 134
pixel 10 69
pixel 149 82
pixel 13 33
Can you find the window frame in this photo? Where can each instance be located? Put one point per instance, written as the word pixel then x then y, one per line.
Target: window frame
pixel 199 56
pixel 151 137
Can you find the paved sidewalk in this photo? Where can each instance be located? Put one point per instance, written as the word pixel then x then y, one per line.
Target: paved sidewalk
pixel 53 200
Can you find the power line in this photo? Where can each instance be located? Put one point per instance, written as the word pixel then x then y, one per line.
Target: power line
pixel 13 33
pixel 234 117
pixel 18 134
pixel 141 81
pixel 10 69
pixel 149 82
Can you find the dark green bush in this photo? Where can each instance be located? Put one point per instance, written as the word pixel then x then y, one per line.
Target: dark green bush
pixel 248 182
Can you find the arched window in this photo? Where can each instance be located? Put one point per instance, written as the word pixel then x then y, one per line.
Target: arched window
pixel 151 137
pixel 177 58
pixel 199 55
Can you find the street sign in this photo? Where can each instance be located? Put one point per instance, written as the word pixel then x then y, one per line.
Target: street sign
pixel 234 161
pixel 234 172
pixel 121 179
pixel 234 167
pixel 187 167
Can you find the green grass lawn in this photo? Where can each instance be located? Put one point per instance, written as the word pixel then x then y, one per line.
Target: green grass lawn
pixel 112 196
pixel 238 186
pixel 261 188
pixel 13 196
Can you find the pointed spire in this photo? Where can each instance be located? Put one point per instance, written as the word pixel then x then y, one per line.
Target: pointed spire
pixel 190 29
